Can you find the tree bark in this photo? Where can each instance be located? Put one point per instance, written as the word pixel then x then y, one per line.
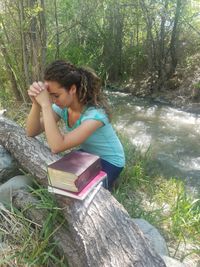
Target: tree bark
pixel 38 39
pixel 10 70
pixel 43 36
pixel 101 231
pixel 57 54
pixel 112 48
pixel 174 39
pixel 25 52
pixel 161 46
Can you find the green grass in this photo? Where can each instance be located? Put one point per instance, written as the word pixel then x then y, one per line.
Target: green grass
pixel 29 243
pixel 161 201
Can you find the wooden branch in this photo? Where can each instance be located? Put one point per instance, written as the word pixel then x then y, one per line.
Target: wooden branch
pixel 101 231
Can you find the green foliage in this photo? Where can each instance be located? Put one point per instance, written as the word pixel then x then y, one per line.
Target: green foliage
pixel 32 244
pixel 120 39
pixel 4 97
pixel 162 202
pixel 185 215
pixel 197 85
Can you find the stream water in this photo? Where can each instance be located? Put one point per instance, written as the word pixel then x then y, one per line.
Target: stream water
pixel 169 135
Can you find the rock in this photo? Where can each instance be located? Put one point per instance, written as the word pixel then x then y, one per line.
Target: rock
pixel 155 238
pixel 8 166
pixel 170 262
pixel 17 182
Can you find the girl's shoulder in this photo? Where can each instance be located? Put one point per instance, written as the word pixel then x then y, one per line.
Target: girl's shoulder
pixel 94 113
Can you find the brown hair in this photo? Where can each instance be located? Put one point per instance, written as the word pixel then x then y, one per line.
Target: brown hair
pixel 89 89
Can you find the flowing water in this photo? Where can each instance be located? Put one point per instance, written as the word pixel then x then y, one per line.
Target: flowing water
pixel 170 135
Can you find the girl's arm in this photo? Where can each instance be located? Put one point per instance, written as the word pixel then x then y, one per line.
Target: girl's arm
pixel 59 142
pixel 34 125
pixel 34 122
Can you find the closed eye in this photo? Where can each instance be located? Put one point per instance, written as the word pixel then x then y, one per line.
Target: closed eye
pixel 55 95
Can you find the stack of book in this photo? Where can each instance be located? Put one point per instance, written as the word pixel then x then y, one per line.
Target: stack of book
pixel 75 174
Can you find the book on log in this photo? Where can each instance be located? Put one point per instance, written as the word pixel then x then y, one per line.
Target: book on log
pixel 96 181
pixel 74 170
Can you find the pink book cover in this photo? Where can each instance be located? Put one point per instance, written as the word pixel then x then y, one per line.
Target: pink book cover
pixel 84 192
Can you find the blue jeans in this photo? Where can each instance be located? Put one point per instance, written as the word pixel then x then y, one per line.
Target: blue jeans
pixel 112 174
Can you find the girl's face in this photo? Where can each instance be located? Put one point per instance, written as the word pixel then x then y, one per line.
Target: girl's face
pixel 59 95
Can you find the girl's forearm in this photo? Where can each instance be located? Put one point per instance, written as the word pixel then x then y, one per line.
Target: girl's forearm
pixel 33 125
pixel 54 137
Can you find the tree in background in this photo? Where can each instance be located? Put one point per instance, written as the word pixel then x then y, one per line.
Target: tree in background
pixel 163 27
pixel 23 42
pixel 120 39
pixel 113 40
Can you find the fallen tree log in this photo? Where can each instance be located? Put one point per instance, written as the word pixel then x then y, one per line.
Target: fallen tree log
pixel 100 230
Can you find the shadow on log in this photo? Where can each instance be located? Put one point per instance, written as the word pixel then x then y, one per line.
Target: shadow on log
pixel 100 231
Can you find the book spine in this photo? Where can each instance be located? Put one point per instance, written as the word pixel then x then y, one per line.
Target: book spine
pixel 88 175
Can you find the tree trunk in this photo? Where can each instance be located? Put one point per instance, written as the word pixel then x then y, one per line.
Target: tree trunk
pixel 57 54
pixel 161 46
pixel 25 53
pixel 35 45
pixel 174 39
pixel 10 71
pixel 101 231
pixel 113 43
pixel 151 44
pixel 38 39
pixel 43 36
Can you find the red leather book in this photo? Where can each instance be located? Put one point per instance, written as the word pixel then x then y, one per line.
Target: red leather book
pixel 74 170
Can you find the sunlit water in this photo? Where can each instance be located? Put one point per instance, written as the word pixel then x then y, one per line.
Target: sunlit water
pixel 171 136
